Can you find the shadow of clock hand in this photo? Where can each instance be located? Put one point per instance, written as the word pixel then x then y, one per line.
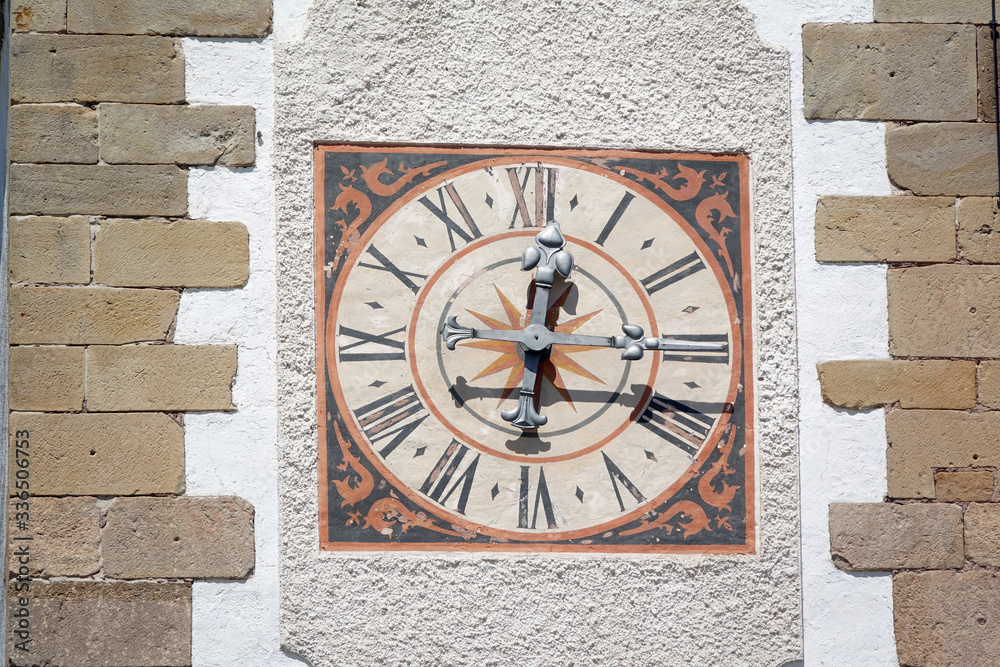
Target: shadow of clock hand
pixel 528 443
pixel 462 392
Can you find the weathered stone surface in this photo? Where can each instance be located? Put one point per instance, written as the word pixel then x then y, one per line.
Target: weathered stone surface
pixel 987 95
pixel 979 230
pixel 100 454
pixel 976 485
pixel 982 533
pixel 200 538
pixel 922 440
pixel 885 229
pixel 945 310
pixel 946 618
pixel 167 134
pixel 52 189
pixel 85 315
pixel 868 71
pixel 185 253
pixel 932 11
pixel 865 384
pixel 46 379
pixel 65 537
pixel 943 158
pixel 52 133
pixel 82 624
pixel 160 377
pixel 91 68
pixel 49 250
pixel 38 15
pixel 882 536
pixel 989 384
pixel 205 18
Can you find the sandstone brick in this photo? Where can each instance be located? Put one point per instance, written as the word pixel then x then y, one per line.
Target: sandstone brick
pixel 961 485
pixel 100 454
pixel 52 133
pixel 979 230
pixel 160 377
pixel 185 253
pixel 53 189
pixel 885 229
pixel 943 158
pixel 932 11
pixel 944 310
pixel 38 15
pixel 84 315
pixel 865 384
pixel 92 68
pixel 166 134
pixel 989 384
pixel 46 379
pixel 882 536
pixel 65 537
pixel 922 440
pixel 205 18
pixel 982 533
pixel 82 624
pixel 946 618
pixel 200 538
pixel 49 250
pixel 987 96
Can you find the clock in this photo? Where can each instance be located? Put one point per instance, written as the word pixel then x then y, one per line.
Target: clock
pixel 533 350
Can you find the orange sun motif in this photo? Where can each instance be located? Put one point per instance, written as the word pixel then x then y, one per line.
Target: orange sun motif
pixel 558 357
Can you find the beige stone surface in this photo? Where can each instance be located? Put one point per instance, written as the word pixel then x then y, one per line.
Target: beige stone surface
pixel 989 384
pixel 167 134
pixel 885 229
pixel 100 454
pixel 160 377
pixel 921 441
pixel 54 189
pixel 946 618
pixel 96 68
pixel 982 533
pixel 979 230
pixel 46 379
pixel 976 485
pixel 883 536
pixel 200 538
pixel 987 96
pixel 865 384
pixel 38 15
pixel 82 624
pixel 932 11
pixel 65 537
pixel 85 315
pixel 943 158
pixel 52 133
pixel 49 250
pixel 945 310
pixel 205 18
pixel 868 71
pixel 185 253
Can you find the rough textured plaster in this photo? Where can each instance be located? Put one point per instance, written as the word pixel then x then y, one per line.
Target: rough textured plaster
pixel 679 74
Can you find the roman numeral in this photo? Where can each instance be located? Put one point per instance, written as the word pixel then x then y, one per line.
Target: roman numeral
pixel 699 357
pixel 469 232
pixel 363 337
pixel 615 217
pixel 678 424
pixel 436 484
pixel 392 416
pixel 679 270
pixel 545 195
pixel 618 476
pixel 541 498
pixel 387 265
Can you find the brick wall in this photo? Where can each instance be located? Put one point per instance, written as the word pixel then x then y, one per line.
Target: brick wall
pixel 104 541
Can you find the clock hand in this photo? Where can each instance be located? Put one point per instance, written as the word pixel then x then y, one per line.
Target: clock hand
pixel 524 416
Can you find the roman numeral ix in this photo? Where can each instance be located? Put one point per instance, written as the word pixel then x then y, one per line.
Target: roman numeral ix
pixel 383 340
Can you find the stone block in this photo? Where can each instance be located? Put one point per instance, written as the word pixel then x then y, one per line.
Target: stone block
pixel 49 250
pixel 203 18
pixel 82 624
pixel 943 158
pixel 185 253
pixel 932 11
pixel 171 378
pixel 199 538
pixel 55 189
pixel 964 485
pixel 38 15
pixel 923 441
pixel 989 384
pixel 978 230
pixel 99 454
pixel 987 95
pixel 865 384
pixel 96 68
pixel 52 133
pixel 945 310
pixel 982 533
pixel 167 134
pixel 46 379
pixel 89 315
pixel 882 536
pixel 885 229
pixel 64 537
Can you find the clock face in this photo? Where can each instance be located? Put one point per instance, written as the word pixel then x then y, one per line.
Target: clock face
pixel 649 453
